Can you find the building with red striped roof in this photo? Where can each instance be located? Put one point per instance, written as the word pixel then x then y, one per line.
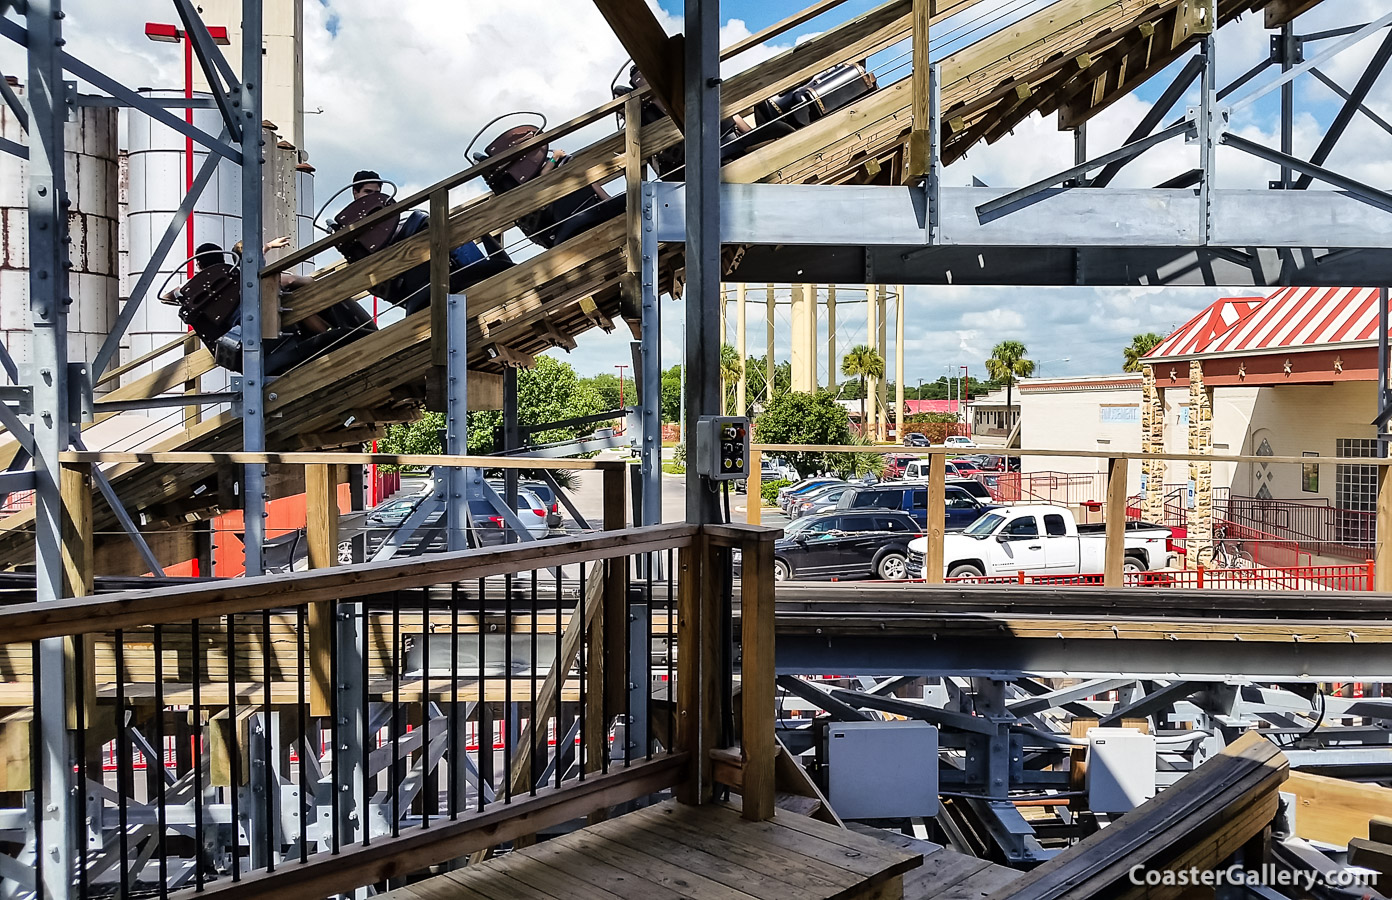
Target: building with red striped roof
pixel 1295 336
pixel 1289 375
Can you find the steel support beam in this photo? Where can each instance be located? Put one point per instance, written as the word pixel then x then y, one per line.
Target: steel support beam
pixel 650 396
pixel 103 82
pixel 253 364
pixel 1154 116
pixel 1343 43
pixel 454 484
pixel 701 233
pixel 112 345
pixel 1344 117
pixel 1011 658
pixel 221 78
pixel 56 815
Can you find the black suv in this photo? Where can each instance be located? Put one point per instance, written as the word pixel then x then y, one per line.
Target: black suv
pixel 869 544
pixel 963 504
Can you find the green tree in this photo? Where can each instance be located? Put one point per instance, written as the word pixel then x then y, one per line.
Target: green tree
pixel 756 379
pixel 606 387
pixel 731 368
pixel 1141 344
pixel 801 418
pixel 856 465
pixel 548 392
pixel 671 394
pixel 1007 363
pixel 419 437
pixel 863 363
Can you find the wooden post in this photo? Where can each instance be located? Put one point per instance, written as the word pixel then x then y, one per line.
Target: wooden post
pixel 439 277
pixel 691 736
pixel 1382 558
pixel 757 740
pixel 1116 523
pixel 75 491
pixel 657 56
pixel 270 306
pixel 918 138
pixel 633 184
pixel 321 532
pixel 937 518
pixel 754 489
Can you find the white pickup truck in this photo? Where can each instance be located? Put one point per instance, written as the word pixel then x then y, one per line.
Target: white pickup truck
pixel 1039 540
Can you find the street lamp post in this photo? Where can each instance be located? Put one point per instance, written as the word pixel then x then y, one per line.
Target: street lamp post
pixel 164 33
pixel 621 369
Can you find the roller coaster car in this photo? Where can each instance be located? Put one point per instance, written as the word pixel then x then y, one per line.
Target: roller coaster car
pixel 671 162
pixel 469 264
pixel 211 304
pixel 827 92
pixel 578 211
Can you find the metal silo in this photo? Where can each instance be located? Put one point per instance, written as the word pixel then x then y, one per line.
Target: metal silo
pixel 91 140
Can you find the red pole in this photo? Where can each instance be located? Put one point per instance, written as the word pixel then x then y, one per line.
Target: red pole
pixel 1201 574
pixel 1372 570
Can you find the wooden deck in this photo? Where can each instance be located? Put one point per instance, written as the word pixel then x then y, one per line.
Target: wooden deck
pixel 946 874
pixel 672 851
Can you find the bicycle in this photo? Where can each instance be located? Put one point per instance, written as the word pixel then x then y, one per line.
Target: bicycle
pixel 1230 555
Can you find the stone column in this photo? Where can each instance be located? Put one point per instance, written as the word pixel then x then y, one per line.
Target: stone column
pixel 882 347
pixel 1152 441
pixel 1200 537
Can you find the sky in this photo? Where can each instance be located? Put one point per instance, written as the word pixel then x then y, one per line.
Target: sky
pixel 404 87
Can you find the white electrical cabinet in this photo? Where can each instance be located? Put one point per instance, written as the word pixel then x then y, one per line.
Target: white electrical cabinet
pixel 882 770
pixel 1120 769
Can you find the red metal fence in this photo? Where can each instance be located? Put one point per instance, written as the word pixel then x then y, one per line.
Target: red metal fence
pixel 1314 525
pixel 1293 578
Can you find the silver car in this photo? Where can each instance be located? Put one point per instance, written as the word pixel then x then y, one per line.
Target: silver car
pixel 818 501
pixel 530 509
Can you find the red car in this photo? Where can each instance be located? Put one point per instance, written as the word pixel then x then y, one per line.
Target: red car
pixel 966 467
pixel 895 466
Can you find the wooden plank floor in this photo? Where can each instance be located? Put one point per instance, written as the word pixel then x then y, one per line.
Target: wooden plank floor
pixel 946 874
pixel 671 851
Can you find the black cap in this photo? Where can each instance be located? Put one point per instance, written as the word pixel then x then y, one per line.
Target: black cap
pixel 366 175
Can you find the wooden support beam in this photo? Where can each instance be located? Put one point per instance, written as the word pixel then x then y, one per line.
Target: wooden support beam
pixel 937 518
pixel 1279 12
pixel 1115 564
pixel 75 492
pixel 1334 810
pixel 657 56
pixel 1371 855
pixel 321 532
pixel 754 490
pixel 919 151
pixel 757 740
pixel 439 277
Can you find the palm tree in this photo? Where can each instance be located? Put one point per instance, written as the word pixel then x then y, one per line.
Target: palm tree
pixel 731 368
pixel 863 363
pixel 1141 344
pixel 1007 363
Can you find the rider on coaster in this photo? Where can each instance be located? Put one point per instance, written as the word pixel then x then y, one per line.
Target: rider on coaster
pixel 469 264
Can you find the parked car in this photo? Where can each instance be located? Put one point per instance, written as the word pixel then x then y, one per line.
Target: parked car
pixel 994 462
pixel 549 500
pixel 819 501
pixel 391 513
pixel 916 439
pixel 959 442
pixel 896 464
pixel 802 488
pixel 921 468
pixel 771 468
pixel 1040 540
pixel 530 509
pixel 962 508
pixel 966 468
pixel 861 544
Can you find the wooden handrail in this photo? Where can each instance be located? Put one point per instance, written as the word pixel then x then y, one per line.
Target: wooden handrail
pixel 180 457
pixel 895 450
pixel 160 606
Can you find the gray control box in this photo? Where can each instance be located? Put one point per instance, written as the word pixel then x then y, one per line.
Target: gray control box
pixel 722 448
